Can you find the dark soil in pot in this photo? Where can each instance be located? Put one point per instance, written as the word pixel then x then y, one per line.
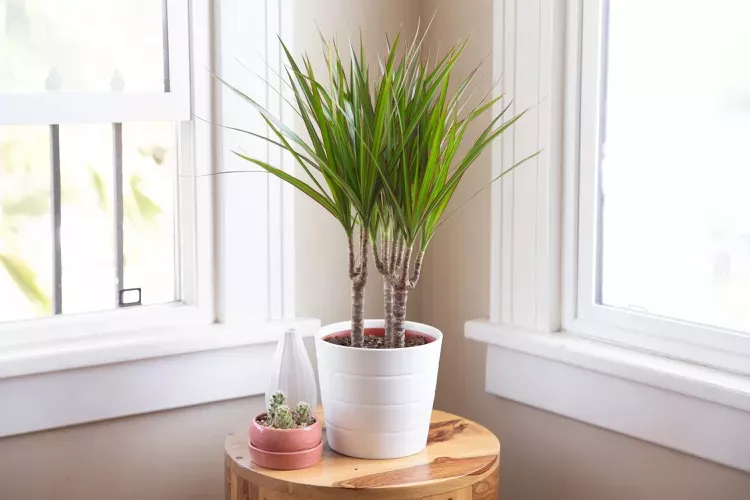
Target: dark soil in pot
pixel 375 338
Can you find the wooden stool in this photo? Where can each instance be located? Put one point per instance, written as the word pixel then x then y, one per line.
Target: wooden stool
pixel 461 462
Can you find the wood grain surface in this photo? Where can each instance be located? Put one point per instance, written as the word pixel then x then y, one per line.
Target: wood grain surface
pixel 461 462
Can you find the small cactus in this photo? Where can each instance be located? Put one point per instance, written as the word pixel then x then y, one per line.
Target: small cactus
pixel 280 416
pixel 283 418
pixel 278 398
pixel 302 414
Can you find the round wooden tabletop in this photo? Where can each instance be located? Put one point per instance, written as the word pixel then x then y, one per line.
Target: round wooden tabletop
pixel 461 462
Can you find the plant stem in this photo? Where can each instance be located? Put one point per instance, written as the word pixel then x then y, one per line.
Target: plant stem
pixel 358 314
pixel 417 270
pixel 352 258
pixel 400 294
pixel 388 306
pixel 358 275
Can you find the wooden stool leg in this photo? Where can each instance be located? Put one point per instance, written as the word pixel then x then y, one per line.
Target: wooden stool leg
pixel 487 489
pixel 227 483
pixel 236 488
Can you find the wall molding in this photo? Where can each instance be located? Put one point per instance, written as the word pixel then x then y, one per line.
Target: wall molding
pixel 256 237
pixel 678 405
pixel 528 55
pixel 105 377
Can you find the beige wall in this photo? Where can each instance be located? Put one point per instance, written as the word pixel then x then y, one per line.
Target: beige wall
pixel 544 456
pixel 175 455
pixel 178 454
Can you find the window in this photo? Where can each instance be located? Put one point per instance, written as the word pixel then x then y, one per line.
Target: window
pixel 664 234
pixel 611 302
pixel 94 99
pixel 107 150
pixel 110 125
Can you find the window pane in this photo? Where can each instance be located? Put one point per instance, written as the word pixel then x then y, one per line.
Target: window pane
pixel 675 167
pixel 81 45
pixel 149 180
pixel 25 223
pixel 87 225
pixel 89 256
pixel 88 220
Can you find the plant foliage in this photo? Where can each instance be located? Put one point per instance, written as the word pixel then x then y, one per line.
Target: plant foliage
pixel 383 154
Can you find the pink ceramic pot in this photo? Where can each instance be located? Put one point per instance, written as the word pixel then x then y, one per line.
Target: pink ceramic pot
pixel 285 440
pixel 286 461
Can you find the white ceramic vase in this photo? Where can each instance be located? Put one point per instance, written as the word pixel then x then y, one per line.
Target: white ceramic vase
pixel 377 402
pixel 292 372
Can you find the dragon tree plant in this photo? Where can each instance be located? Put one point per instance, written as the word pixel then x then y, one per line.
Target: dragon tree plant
pixel 422 168
pixel 386 152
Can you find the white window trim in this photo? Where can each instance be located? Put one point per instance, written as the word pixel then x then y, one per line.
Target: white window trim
pixel 239 267
pixel 195 198
pixel 111 107
pixel 683 406
pixel 45 388
pixel 540 352
pixel 195 149
pixel 717 347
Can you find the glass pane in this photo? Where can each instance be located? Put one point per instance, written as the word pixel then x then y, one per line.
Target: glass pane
pixel 87 224
pixel 87 234
pixel 81 45
pixel 149 167
pixel 149 202
pixel 25 223
pixel 675 168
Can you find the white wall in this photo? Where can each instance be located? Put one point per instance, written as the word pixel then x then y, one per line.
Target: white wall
pixel 544 456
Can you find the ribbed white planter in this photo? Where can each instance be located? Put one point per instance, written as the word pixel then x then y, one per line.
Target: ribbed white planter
pixel 377 402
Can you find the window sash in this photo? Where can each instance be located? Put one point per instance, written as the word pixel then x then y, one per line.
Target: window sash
pixel 112 107
pixel 192 210
pixel 692 342
pixel 194 193
pixel 236 250
pixel 82 326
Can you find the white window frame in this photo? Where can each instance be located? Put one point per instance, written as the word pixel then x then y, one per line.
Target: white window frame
pixel 122 107
pixel 115 107
pixel 237 250
pixel 723 349
pixel 542 351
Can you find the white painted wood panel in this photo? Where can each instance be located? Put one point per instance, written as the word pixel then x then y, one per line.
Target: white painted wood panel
pixel 256 219
pixel 187 367
pixel 507 73
pixel 526 96
pixel 693 425
pixel 497 199
pixel 526 214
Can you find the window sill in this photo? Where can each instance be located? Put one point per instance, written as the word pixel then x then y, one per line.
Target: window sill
pixel 55 384
pixel 690 408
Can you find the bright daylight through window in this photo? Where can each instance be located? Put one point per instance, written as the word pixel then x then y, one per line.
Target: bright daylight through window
pixel 674 161
pixel 109 185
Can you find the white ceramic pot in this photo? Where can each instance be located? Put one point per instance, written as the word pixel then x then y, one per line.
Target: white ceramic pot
pixel 377 402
